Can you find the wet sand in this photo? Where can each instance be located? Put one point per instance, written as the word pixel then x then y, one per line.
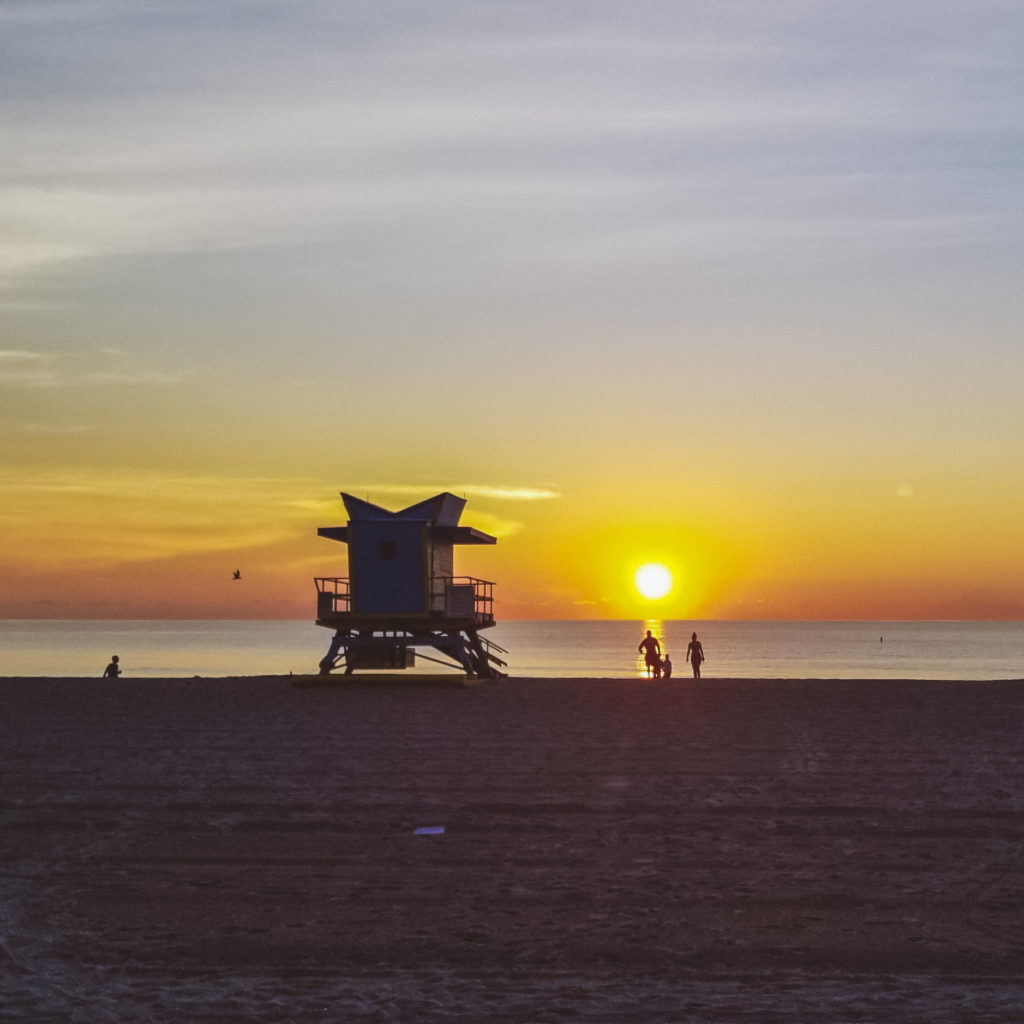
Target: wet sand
pixel 729 850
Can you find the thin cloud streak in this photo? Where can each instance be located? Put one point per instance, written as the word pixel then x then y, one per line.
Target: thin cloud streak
pixel 55 430
pixel 21 355
pixel 24 369
pixel 477 490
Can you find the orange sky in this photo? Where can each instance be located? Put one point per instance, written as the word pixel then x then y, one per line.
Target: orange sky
pixel 691 285
pixel 141 545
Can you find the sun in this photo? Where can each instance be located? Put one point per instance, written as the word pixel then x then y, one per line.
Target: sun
pixel 653 580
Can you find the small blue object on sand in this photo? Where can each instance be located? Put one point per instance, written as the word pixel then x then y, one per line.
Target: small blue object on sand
pixel 430 830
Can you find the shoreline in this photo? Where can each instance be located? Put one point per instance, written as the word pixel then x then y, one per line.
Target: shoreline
pixel 455 678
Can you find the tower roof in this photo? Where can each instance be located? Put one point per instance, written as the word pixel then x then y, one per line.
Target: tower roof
pixel 440 512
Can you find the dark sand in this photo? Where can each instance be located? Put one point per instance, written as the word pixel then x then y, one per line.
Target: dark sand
pixel 735 850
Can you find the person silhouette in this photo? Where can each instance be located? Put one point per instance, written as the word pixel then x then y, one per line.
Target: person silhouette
pixel 666 667
pixel 650 647
pixel 113 670
pixel 695 655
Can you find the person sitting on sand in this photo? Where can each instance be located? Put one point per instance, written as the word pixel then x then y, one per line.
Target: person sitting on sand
pixel 695 655
pixel 113 670
pixel 650 647
pixel 666 667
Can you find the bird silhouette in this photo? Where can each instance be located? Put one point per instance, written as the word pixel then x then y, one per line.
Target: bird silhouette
pixel 238 574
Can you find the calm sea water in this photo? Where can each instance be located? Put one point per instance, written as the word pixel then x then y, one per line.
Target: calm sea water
pixel 795 650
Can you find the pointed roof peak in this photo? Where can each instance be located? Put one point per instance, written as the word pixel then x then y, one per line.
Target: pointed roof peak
pixel 442 509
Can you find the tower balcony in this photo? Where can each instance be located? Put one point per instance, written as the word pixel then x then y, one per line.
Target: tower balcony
pixel 450 599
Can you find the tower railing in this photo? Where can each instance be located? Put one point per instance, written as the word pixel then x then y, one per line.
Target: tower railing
pixel 453 597
pixel 334 597
pixel 462 597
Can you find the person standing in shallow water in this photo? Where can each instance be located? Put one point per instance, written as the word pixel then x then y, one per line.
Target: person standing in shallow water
pixel 650 647
pixel 695 655
pixel 113 670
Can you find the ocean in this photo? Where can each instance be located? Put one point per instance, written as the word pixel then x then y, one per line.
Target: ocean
pixel 598 649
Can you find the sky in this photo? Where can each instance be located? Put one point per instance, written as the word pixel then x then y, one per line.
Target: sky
pixel 733 287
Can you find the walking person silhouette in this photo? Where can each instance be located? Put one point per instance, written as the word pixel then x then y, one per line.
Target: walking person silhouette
pixel 695 655
pixel 650 647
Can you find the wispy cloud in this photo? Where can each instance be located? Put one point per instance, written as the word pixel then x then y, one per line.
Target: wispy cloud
pixel 492 491
pixel 42 370
pixel 136 377
pixel 27 379
pixel 150 515
pixel 26 369
pixel 214 490
pixel 55 430
pixel 507 493
pixel 22 356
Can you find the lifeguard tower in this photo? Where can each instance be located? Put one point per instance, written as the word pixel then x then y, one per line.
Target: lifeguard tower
pixel 401 595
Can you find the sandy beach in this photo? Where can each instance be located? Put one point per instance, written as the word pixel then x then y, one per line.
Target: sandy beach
pixel 730 850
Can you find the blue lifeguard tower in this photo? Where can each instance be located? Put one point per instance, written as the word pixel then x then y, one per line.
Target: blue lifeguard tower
pixel 401 594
